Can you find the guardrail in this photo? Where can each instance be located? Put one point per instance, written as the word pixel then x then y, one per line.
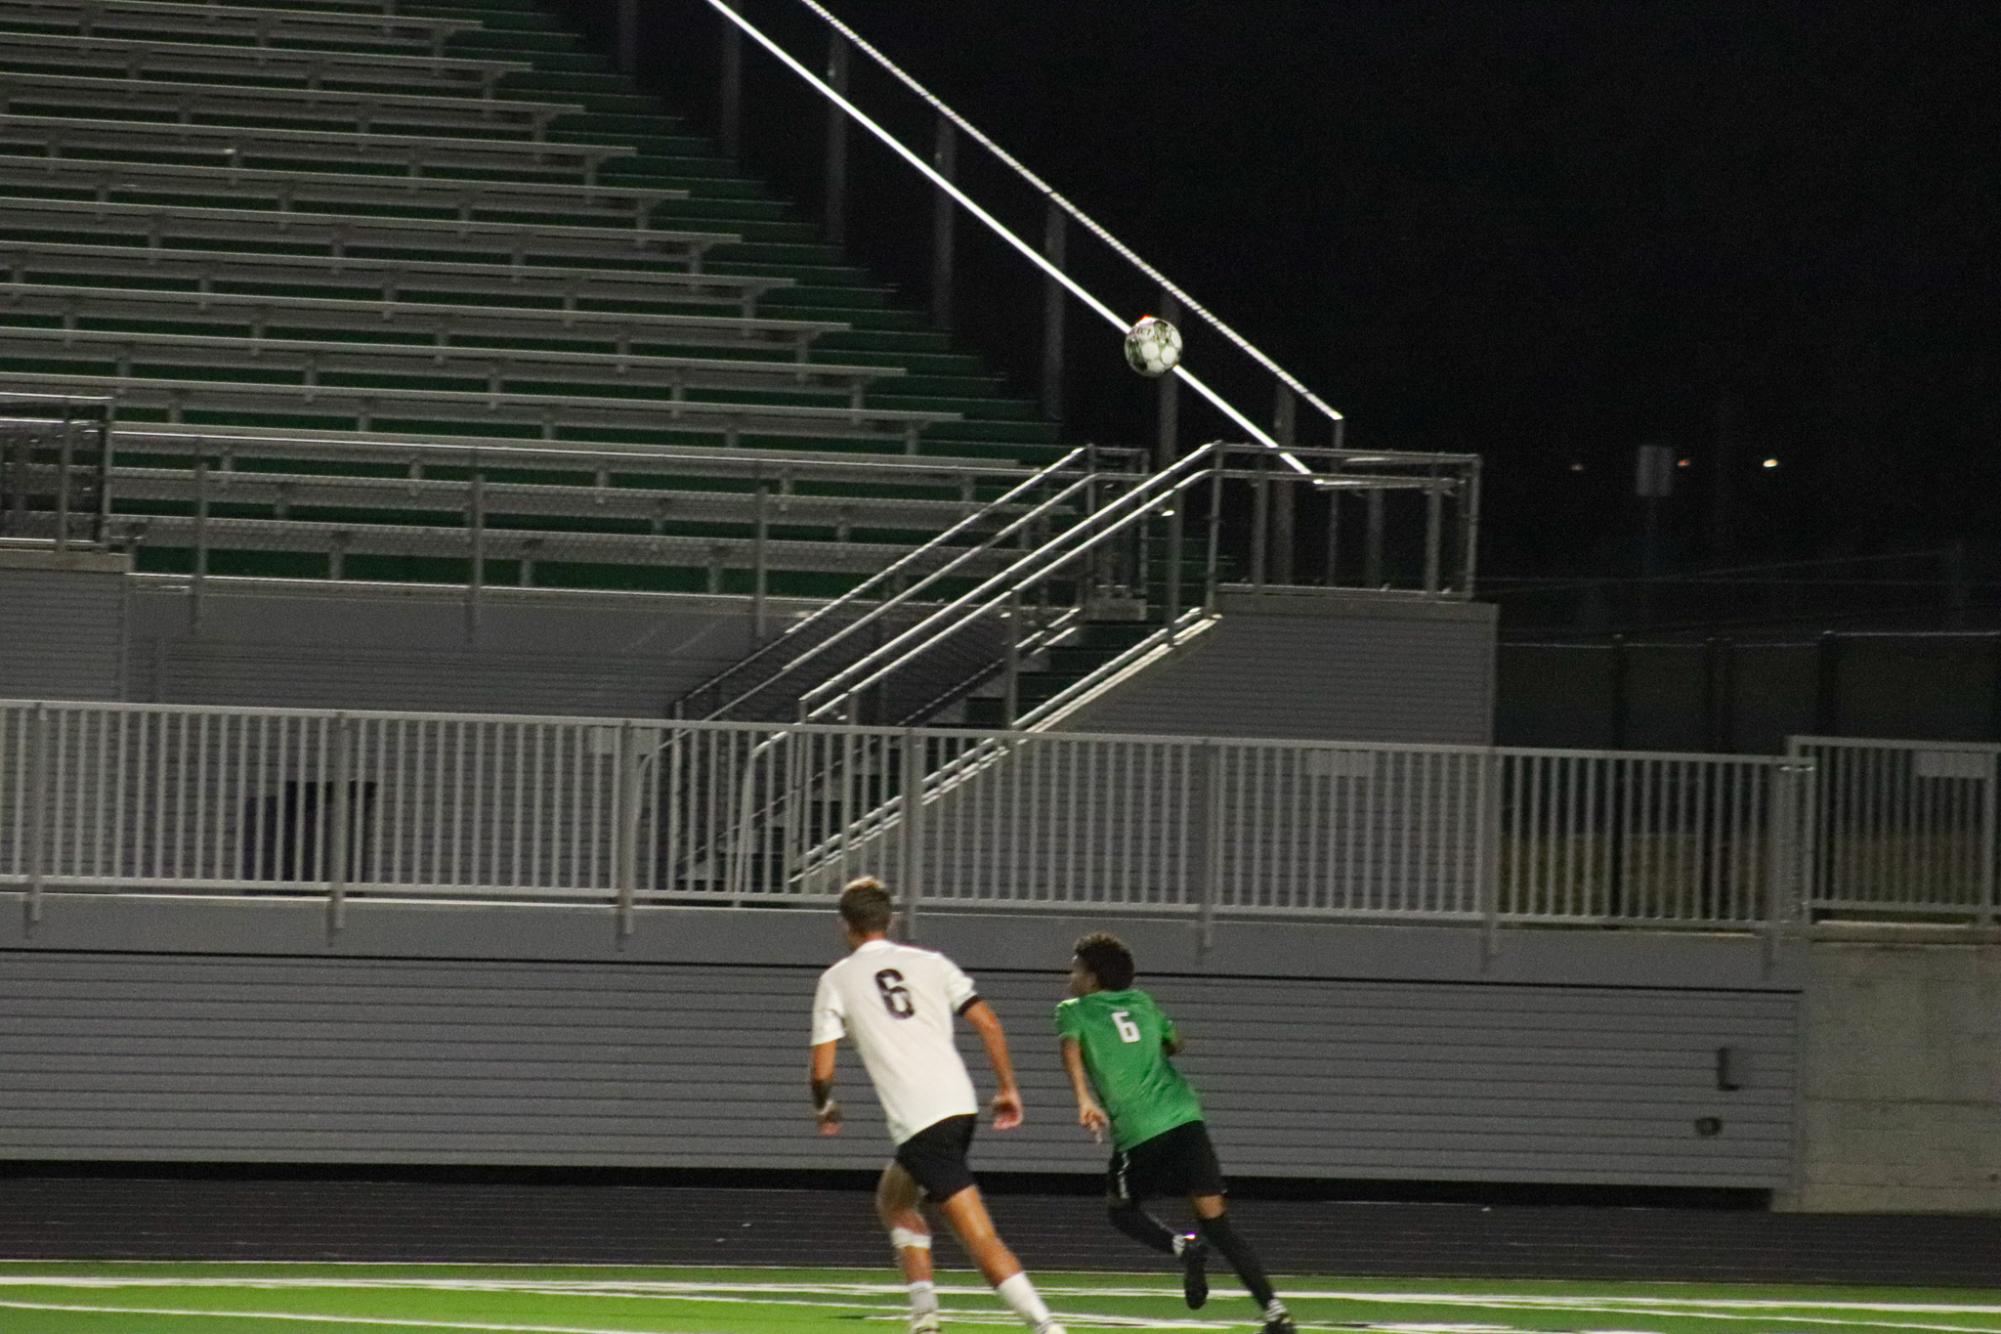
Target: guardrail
pixel 179 799
pixel 1903 829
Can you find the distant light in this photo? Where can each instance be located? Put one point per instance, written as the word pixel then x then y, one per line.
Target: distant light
pixel 1771 463
pixel 1577 467
pixel 1683 463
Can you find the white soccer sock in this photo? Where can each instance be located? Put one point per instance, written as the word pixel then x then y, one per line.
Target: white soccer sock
pixel 923 1297
pixel 1020 1294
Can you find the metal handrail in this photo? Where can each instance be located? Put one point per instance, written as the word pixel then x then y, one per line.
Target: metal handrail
pixel 726 9
pixel 865 591
pixel 1128 509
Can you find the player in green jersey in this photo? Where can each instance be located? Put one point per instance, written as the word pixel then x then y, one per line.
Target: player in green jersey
pixel 1116 1046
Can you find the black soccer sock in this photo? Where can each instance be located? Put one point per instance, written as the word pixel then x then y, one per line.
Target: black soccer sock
pixel 1142 1227
pixel 1241 1257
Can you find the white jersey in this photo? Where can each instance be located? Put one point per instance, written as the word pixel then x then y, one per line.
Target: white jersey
pixel 897 1002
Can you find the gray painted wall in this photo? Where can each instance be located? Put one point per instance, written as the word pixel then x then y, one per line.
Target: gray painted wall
pixel 1902 1079
pixel 62 625
pixel 1319 667
pixel 1322 1051
pixel 408 649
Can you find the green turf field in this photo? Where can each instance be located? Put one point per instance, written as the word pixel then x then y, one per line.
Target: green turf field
pixel 50 1298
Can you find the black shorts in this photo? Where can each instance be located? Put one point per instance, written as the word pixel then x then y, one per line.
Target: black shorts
pixel 936 1156
pixel 1180 1161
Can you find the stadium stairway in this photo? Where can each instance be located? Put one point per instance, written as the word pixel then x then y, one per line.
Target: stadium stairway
pixel 334 258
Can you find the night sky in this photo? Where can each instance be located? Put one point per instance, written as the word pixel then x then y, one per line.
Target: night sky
pixel 1550 232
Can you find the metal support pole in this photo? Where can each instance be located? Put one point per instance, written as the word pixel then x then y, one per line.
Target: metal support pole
pixel 837 142
pixel 1334 537
pixel 625 856
pixel 38 800
pixel 628 37
pixel 1167 444
pixel 1011 704
pixel 1434 533
pixel 731 110
pixel 1469 521
pixel 1206 839
pixel 338 837
pixel 65 451
pixel 1372 556
pixel 1055 237
pixel 1284 516
pixel 199 575
pixel 945 158
pixel 1988 849
pixel 1487 862
pixel 911 888
pixel 1261 522
pixel 760 554
pixel 1210 559
pixel 476 567
pixel 1174 558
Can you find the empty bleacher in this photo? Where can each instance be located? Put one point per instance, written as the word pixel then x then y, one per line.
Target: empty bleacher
pixel 364 276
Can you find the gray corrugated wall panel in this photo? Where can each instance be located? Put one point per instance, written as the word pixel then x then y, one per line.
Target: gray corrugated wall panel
pixel 1319 667
pixel 580 654
pixel 168 1057
pixel 62 627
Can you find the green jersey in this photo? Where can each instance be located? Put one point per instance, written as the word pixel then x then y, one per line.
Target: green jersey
pixel 1124 1039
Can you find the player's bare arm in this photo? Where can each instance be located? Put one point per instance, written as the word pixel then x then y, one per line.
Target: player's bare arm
pixel 1007 1100
pixel 820 1079
pixel 1089 1114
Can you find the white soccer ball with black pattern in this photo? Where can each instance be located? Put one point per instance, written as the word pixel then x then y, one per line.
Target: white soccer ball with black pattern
pixel 1153 346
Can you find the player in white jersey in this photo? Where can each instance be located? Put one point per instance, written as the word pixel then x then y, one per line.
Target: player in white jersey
pixel 896 1003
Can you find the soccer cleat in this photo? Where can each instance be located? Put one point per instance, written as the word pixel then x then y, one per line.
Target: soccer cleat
pixel 1278 1320
pixel 1195 1271
pixel 925 1324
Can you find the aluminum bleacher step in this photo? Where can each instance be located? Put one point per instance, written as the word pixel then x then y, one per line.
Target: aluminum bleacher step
pixel 245 24
pixel 69 51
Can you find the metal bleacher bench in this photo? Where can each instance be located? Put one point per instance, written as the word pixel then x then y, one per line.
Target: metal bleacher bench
pixel 499 368
pixel 156 223
pixel 416 454
pixel 366 107
pixel 415 154
pixel 66 52
pixel 446 324
pixel 257 24
pixel 213 271
pixel 358 192
pixel 553 416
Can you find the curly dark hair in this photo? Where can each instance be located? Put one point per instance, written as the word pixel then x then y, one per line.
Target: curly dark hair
pixel 1106 958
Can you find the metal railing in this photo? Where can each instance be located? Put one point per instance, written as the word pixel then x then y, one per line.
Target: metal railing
pixel 828 57
pixel 1904 829
pixel 334 806
pixel 55 462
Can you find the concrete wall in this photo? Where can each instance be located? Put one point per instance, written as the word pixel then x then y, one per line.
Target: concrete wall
pixel 408 648
pixel 1322 667
pixel 62 625
pixel 1902 1078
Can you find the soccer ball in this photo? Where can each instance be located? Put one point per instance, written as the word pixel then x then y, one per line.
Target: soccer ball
pixel 1153 347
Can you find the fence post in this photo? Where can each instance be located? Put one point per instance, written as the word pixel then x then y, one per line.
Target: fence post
pixel 1167 444
pixel 1284 503
pixel 1372 555
pixel 945 157
pixel 1991 907
pixel 760 577
pixel 913 816
pixel 837 141
pixel 37 795
pixel 1054 239
pixel 1174 558
pixel 625 854
pixel 476 537
pixel 1434 534
pixel 1261 522
pixel 1211 559
pixel 65 452
pixel 1207 841
pixel 198 577
pixel 1489 854
pixel 337 869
